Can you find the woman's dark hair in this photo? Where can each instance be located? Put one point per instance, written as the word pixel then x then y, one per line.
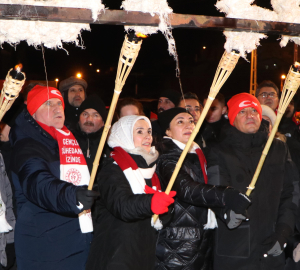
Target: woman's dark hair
pixel 129 101
pixel 190 95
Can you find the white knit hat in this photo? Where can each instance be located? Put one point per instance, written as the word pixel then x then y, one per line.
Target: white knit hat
pixel 267 111
pixel 122 132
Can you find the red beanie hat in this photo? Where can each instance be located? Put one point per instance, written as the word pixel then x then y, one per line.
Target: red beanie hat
pixel 40 94
pixel 241 101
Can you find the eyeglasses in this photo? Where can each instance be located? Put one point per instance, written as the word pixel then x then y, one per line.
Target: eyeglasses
pixel 270 94
pixel 190 109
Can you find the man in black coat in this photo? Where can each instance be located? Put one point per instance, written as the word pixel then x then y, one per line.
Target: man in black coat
pixel 49 174
pixel 73 90
pixel 88 131
pixel 259 242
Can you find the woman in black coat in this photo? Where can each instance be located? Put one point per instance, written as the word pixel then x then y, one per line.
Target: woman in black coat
pixel 124 237
pixel 186 243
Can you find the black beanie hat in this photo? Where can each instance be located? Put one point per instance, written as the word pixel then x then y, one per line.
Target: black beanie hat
pixel 96 103
pixel 166 117
pixel 172 95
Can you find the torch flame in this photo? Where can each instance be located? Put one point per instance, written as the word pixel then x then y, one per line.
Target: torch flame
pixel 141 35
pixel 18 67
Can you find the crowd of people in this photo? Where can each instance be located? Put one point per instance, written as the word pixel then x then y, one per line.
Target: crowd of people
pixel 50 220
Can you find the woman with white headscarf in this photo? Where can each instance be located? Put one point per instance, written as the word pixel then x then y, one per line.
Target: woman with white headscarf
pixel 124 237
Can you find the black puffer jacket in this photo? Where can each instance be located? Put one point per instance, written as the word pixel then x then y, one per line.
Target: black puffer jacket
pixel 123 236
pixel 184 244
pixel 233 162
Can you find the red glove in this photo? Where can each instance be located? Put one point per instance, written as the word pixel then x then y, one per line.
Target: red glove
pixel 160 202
pixel 149 190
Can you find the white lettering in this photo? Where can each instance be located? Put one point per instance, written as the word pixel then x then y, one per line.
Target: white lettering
pixel 71 150
pixel 70 142
pixel 71 159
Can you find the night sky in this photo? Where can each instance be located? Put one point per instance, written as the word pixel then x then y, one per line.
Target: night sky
pixel 154 69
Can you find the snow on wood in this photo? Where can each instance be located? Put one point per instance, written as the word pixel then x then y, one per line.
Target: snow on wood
pixel 153 7
pixel 51 34
pixel 288 11
pixel 244 42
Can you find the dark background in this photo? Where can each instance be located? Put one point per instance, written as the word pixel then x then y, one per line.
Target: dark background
pixel 154 69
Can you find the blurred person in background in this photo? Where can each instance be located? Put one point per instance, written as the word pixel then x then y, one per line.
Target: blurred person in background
pixel 129 106
pixel 73 90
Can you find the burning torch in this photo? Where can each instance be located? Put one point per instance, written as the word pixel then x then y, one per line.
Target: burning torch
pixel 128 55
pixel 12 86
pixel 226 66
pixel 291 85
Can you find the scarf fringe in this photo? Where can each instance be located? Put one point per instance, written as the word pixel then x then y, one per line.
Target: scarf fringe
pixel 211 220
pixel 157 225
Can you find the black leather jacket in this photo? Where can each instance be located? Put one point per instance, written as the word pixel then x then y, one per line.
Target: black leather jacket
pixel 184 243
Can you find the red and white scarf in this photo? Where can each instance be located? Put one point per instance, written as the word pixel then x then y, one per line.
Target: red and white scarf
pixel 195 149
pixel 73 167
pixel 136 176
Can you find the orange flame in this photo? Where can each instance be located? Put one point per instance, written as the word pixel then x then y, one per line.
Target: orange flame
pixel 141 35
pixel 18 67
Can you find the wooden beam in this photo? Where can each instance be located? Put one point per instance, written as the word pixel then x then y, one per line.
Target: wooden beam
pixel 121 17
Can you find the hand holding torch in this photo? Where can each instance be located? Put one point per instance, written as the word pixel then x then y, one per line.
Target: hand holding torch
pixel 226 66
pixel 290 88
pixel 129 53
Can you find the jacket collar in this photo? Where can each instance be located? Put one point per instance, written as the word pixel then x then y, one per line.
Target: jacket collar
pixel 93 135
pixel 242 140
pixel 25 126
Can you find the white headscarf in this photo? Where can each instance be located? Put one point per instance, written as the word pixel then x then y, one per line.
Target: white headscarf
pixel 267 111
pixel 122 132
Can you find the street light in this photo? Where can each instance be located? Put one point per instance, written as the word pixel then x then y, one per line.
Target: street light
pixel 56 82
pixel 90 64
pixel 78 75
pixel 98 70
pixel 282 79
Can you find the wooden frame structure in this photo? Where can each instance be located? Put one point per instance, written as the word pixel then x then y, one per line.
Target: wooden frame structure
pixel 121 17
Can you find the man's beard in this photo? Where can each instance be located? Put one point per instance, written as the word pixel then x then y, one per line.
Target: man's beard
pixel 89 124
pixel 160 110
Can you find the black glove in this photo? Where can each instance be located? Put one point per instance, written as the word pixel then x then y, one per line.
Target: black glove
pixel 86 197
pixel 236 201
pixel 275 244
pixel 233 220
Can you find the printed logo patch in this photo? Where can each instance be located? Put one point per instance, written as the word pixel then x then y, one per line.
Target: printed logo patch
pixel 56 92
pixel 73 176
pixel 247 103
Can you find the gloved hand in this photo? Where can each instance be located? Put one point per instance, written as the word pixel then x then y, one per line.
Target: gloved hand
pixel 149 190
pixel 86 197
pixel 296 253
pixel 236 201
pixel 4 226
pixel 276 250
pixel 160 202
pixel 275 244
pixel 233 220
